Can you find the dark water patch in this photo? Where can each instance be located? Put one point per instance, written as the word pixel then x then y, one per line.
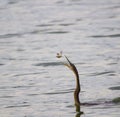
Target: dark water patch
pixel 115 88
pixel 7 96
pixel 19 34
pixel 42 31
pixel 102 36
pixel 12 59
pixel 5 87
pixel 87 104
pixel 48 64
pixel 20 50
pixel 70 106
pixel 80 63
pixel 96 102
pixel 54 93
pixel 45 25
pixel 25 74
pixel 112 74
pixel 35 32
pixel 113 63
pixel 59 92
pixel 11 35
pixel 1 64
pixel 57 21
pixel 59 2
pixel 102 73
pixel 66 24
pixel 22 86
pixel 34 94
pixel 57 32
pixel 106 103
pixel 12 2
pixel 14 87
pixel 79 19
pixel 15 106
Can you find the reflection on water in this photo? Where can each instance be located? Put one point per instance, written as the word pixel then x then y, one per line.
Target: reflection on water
pixel 32 81
pixel 78 111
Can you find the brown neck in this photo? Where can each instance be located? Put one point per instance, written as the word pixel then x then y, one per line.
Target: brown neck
pixel 77 90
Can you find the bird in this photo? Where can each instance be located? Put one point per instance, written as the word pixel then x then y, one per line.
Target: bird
pixel 73 68
pixel 77 90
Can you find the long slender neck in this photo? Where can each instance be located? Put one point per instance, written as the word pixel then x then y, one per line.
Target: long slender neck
pixel 77 90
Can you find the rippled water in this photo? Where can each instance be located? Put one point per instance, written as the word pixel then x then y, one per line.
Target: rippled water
pixel 33 82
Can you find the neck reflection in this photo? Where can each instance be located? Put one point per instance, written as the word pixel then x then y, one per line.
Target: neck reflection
pixel 78 111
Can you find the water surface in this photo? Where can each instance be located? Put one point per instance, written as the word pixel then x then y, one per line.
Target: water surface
pixel 33 82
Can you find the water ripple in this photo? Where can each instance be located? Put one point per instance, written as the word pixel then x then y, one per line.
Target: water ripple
pixel 28 74
pixel 45 25
pixel 7 96
pixel 33 94
pixel 59 92
pixel 57 32
pixel 14 106
pixel 66 24
pixel 102 73
pixel 11 35
pixel 48 64
pixel 1 64
pixel 9 87
pixel 100 36
pixel 20 34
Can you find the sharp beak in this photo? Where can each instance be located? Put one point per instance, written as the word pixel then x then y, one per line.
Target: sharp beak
pixel 68 64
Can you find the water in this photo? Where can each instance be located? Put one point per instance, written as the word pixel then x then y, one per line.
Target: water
pixel 33 82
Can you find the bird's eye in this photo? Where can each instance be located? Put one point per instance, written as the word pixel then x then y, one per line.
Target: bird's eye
pixel 59 55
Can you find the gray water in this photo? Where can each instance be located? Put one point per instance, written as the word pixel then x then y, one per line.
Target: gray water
pixel 33 82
